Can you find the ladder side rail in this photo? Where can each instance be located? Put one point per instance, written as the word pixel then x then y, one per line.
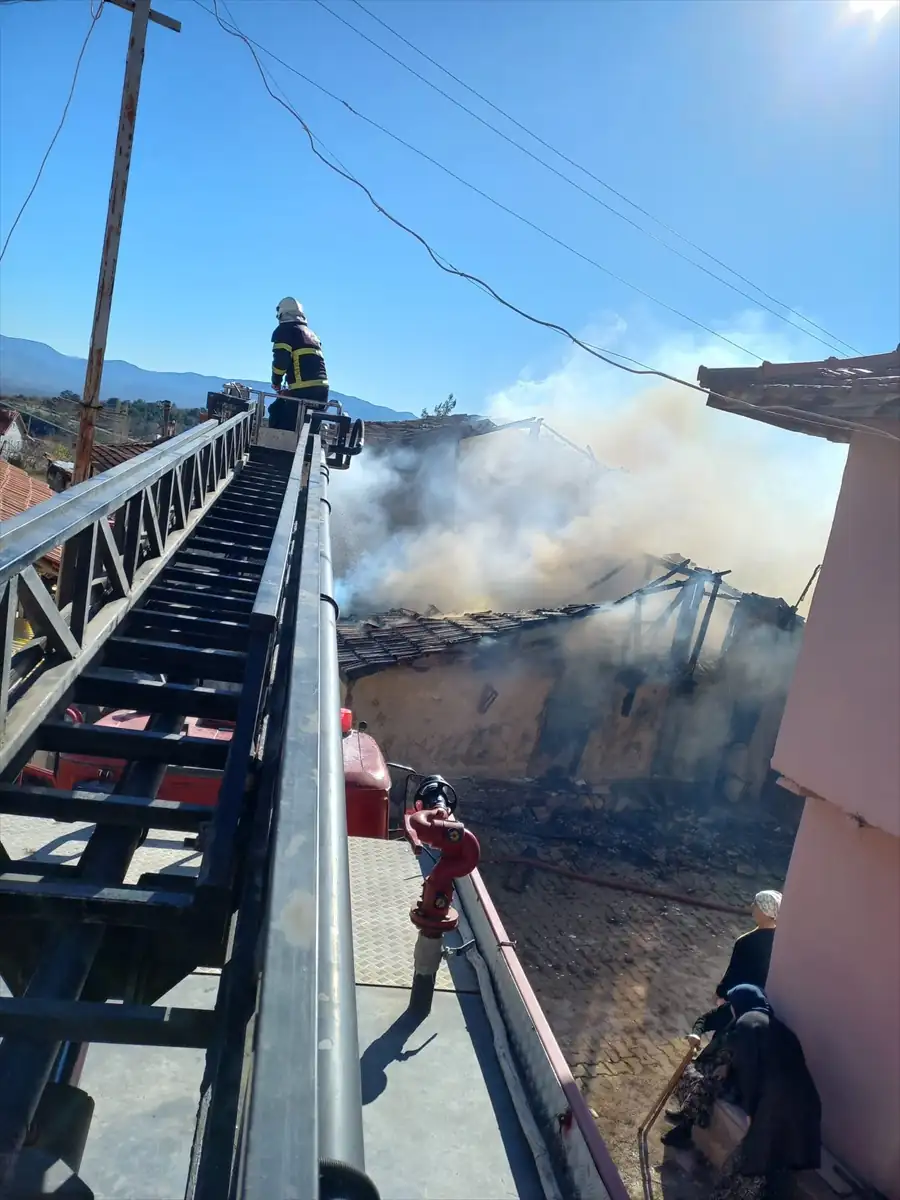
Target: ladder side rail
pixel 118 531
pixel 340 1094
pixel 280 1151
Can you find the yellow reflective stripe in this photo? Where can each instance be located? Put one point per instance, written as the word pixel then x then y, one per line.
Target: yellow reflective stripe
pixel 306 350
pixel 282 346
pixel 279 371
pixel 295 387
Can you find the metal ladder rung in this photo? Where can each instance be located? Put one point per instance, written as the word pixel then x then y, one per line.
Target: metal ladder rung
pixel 147 696
pixel 134 907
pixel 101 741
pixel 191 630
pixel 99 808
pixel 114 1024
pixel 245 588
pixel 175 658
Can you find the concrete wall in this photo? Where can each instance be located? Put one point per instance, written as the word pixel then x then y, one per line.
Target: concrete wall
pixel 840 735
pixel 835 979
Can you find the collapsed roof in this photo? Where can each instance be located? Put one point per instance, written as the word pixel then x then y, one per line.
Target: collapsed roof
pixel 400 635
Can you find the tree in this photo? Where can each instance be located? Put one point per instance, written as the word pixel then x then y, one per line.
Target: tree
pixel 443 408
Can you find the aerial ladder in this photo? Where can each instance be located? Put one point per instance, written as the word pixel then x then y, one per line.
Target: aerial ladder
pixel 196 586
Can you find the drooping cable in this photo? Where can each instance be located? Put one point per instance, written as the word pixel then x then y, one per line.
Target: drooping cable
pixel 95 17
pixel 490 199
pixel 596 178
pixel 592 195
pixel 603 354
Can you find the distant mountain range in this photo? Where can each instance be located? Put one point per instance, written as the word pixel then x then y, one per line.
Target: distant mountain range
pixel 33 369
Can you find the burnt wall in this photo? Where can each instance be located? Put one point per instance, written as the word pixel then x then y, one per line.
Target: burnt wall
pixel 531 712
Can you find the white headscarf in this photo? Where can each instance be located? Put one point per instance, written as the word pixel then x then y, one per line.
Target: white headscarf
pixel 768 903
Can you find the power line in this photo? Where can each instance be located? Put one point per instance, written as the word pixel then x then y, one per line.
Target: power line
pixel 596 178
pixel 485 196
pixel 95 17
pixel 585 191
pixel 639 368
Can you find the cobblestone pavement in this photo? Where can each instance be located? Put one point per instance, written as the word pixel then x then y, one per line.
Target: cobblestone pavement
pixel 621 978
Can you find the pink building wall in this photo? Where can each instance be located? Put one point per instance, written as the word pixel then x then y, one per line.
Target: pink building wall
pixel 835 979
pixel 835 974
pixel 840 734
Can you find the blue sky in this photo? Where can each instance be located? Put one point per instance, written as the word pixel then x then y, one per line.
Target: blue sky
pixel 766 132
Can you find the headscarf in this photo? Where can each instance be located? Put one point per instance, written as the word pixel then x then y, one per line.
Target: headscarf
pixel 768 903
pixel 746 998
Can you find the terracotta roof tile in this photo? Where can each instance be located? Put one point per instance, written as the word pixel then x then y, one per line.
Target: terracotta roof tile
pixel 105 457
pixel 430 429
pixel 812 397
pixel 19 492
pixel 375 643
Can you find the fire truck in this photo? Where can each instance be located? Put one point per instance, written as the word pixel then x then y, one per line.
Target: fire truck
pixel 315 998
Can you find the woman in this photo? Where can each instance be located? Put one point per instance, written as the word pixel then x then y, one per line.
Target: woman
pixel 759 1065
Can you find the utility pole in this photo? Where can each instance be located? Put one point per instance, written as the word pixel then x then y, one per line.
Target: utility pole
pixel 141 13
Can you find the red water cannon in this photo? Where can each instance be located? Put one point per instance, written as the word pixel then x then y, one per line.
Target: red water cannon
pixel 432 823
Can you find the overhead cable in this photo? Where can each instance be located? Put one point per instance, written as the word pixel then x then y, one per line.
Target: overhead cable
pixel 596 178
pixel 607 356
pixel 587 192
pixel 491 199
pixel 95 17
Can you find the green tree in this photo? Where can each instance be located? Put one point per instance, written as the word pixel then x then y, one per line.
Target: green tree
pixel 443 408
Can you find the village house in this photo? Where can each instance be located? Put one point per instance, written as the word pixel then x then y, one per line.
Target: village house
pixel 12 433
pixel 835 974
pixel 635 698
pixel 103 458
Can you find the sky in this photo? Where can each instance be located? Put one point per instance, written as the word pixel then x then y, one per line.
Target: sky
pixel 767 133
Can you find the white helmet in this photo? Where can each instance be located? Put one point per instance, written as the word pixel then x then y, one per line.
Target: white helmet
pixel 290 309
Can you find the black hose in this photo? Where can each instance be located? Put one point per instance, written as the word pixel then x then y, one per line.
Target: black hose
pixel 340 1181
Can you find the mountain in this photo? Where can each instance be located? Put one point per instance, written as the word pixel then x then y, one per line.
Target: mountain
pixel 33 369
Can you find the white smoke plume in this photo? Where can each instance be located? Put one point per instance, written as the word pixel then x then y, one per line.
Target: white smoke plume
pixel 520 522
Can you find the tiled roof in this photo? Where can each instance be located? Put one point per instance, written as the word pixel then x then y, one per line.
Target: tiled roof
pixel 105 457
pixel 401 433
pixel 19 492
pixel 400 635
pixel 808 397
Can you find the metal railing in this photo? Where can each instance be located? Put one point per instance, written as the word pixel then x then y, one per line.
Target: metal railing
pixel 278 834
pixel 116 532
pixel 306 1041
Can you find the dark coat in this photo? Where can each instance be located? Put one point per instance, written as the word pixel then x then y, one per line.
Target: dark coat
pixel 749 961
pixel 774 1087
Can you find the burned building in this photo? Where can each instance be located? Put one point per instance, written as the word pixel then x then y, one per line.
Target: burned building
pixel 672 693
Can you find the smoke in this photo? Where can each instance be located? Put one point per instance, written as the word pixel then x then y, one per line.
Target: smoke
pixel 518 521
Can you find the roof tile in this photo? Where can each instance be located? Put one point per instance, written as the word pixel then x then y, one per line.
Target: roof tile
pixel 19 491
pixel 383 641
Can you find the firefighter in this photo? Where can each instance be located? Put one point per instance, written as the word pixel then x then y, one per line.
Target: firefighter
pixel 298 365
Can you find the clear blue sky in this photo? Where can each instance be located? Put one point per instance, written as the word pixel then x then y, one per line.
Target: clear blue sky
pixel 767 132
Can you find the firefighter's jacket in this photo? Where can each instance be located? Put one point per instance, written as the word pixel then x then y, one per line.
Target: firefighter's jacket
pixel 297 360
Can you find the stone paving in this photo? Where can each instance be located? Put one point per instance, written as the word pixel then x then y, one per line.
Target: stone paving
pixel 621 978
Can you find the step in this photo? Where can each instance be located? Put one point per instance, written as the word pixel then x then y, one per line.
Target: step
pixel 128 745
pixel 100 808
pixel 112 1024
pixel 135 907
pixel 213 582
pixel 148 696
pixel 175 658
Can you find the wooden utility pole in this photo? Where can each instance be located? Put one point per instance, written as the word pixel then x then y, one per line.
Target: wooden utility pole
pixel 141 13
